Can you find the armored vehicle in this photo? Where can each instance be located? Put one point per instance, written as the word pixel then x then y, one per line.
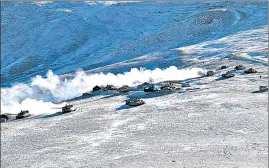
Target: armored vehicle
pixel 223 67
pixel 23 114
pixel 67 109
pixel 124 88
pixel 86 94
pixel 110 87
pixel 151 88
pixel 96 88
pixel 143 85
pixel 239 67
pixel 250 70
pixel 209 73
pixel 135 102
pixel 228 74
pixel 3 118
pixel 263 88
pixel 167 87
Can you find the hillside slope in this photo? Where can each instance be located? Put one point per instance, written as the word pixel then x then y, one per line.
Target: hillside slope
pixel 64 36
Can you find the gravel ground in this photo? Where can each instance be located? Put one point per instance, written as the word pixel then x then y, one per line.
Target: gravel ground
pixel 222 124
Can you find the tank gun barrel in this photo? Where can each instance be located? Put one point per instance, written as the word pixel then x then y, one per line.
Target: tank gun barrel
pixel 56 108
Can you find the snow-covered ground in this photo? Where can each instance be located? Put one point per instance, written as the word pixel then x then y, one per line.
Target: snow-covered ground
pixel 222 123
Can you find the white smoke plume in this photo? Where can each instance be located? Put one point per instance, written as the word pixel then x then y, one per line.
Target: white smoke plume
pixel 37 96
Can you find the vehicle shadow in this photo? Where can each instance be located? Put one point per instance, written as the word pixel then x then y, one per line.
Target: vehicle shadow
pixel 146 95
pixel 222 78
pixel 260 91
pixel 49 115
pixel 78 98
pixel 124 107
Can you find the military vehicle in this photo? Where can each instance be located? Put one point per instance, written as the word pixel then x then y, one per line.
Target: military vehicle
pixel 124 88
pixel 167 87
pixel 110 87
pixel 209 73
pixel 151 88
pixel 86 94
pixel 239 67
pixel 179 85
pixel 3 118
pixel 135 102
pixel 67 109
pixel 263 88
pixel 23 114
pixel 143 85
pixel 96 88
pixel 223 67
pixel 170 85
pixel 250 70
pixel 228 74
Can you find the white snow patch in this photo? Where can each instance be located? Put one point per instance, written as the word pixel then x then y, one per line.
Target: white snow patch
pixel 41 3
pixel 65 10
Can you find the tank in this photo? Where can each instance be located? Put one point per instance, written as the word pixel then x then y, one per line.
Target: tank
pixel 223 67
pixel 86 94
pixel 96 88
pixel 263 88
pixel 151 88
pixel 3 118
pixel 166 87
pixel 67 109
pixel 239 67
pixel 124 88
pixel 179 85
pixel 228 74
pixel 250 70
pixel 135 102
pixel 209 73
pixel 143 85
pixel 23 114
pixel 110 87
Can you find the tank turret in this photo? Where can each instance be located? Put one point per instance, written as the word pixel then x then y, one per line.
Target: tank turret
pixel 250 70
pixel 67 109
pixel 96 88
pixel 228 74
pixel 239 67
pixel 3 118
pixel 263 88
pixel 223 67
pixel 135 102
pixel 151 88
pixel 209 73
pixel 124 88
pixel 23 114
pixel 110 87
pixel 86 94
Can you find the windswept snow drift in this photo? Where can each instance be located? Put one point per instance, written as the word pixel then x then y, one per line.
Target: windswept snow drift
pixel 37 95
